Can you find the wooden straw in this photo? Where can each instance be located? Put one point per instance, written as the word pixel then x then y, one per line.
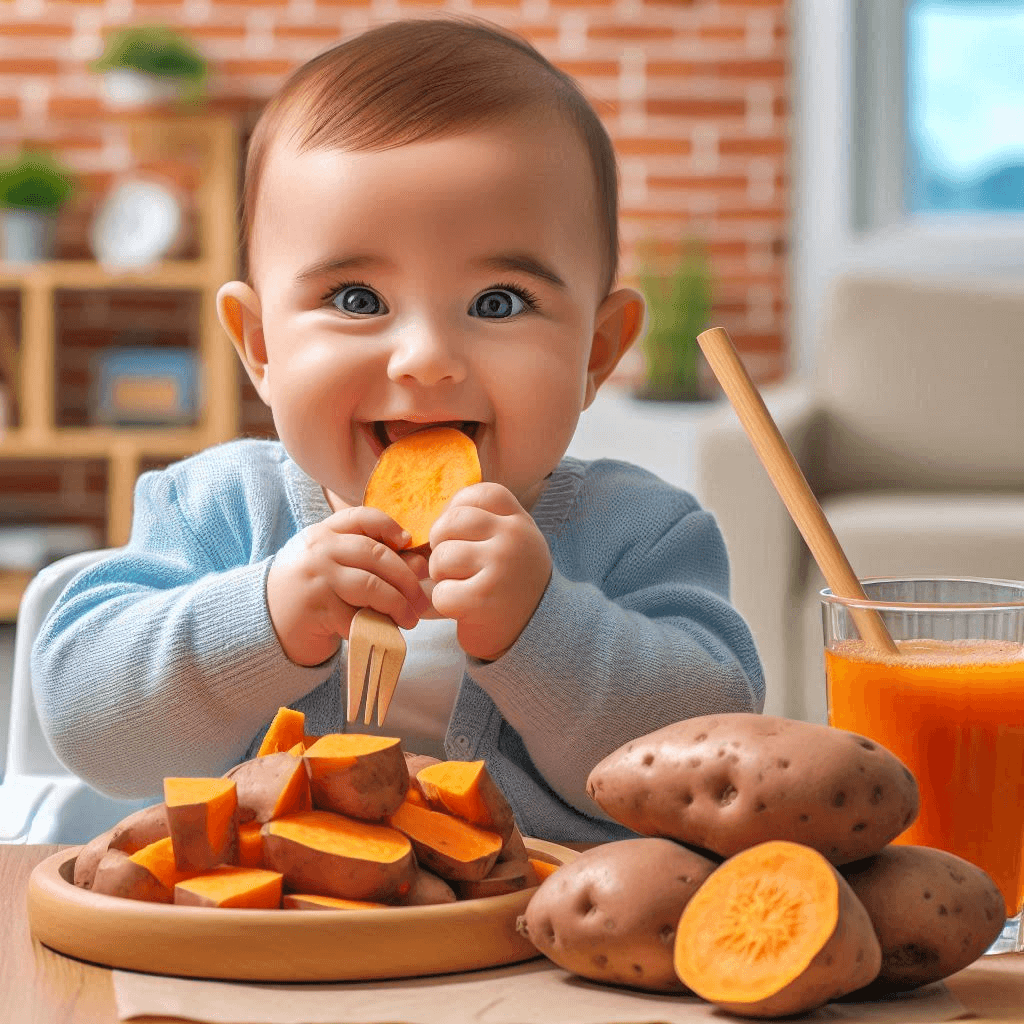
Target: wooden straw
pixel 790 482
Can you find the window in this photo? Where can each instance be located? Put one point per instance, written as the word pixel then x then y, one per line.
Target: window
pixel 964 106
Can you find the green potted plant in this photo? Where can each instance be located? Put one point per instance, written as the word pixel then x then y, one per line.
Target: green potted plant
pixel 33 187
pixel 146 64
pixel 678 307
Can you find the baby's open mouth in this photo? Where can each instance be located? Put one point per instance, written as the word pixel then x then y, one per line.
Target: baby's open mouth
pixel 386 432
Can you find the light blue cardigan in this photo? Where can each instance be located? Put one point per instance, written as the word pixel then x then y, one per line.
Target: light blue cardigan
pixel 162 660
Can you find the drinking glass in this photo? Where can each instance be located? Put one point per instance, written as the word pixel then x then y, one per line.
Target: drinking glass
pixel 950 706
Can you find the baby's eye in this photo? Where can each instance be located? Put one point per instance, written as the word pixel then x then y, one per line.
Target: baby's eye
pixel 358 300
pixel 499 304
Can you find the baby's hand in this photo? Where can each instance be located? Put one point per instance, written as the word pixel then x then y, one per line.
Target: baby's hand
pixel 336 567
pixel 490 564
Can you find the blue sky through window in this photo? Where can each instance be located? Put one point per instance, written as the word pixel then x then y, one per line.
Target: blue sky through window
pixel 965 105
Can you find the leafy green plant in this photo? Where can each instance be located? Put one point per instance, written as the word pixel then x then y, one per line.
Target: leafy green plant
pixel 679 304
pixel 34 180
pixel 155 50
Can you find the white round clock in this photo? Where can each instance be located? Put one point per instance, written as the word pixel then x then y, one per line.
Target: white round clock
pixel 136 225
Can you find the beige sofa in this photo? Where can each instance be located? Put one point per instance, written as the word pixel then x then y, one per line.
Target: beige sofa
pixel 910 430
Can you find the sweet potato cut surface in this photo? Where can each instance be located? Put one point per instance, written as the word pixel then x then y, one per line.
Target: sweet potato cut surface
pixel 417 475
pixel 310 901
pixel 271 786
pixel 285 731
pixel 149 874
pixel 250 844
pixel 775 930
pixel 230 886
pixel 357 774
pixel 466 789
pixel 448 846
pixel 329 855
pixel 543 868
pixel 201 819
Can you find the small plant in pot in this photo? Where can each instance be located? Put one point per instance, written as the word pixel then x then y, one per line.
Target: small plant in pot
pixel 678 308
pixel 33 187
pixel 151 64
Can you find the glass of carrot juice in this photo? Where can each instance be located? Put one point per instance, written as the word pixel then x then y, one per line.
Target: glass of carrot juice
pixel 950 706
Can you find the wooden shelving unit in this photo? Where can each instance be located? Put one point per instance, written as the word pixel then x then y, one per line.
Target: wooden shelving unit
pixel 37 435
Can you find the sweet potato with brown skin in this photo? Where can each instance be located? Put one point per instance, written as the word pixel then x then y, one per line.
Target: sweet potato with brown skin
pixel 506 876
pixel 357 774
pixel 414 762
pixel 149 874
pixel 774 931
pixel 466 789
pixel 728 782
pixel 203 821
pixel 934 913
pixel 138 829
pixel 610 915
pixel 427 890
pixel 328 855
pixel 229 885
pixel 270 786
pixel 446 845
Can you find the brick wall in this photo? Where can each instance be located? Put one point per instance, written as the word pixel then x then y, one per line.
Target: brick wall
pixel 694 94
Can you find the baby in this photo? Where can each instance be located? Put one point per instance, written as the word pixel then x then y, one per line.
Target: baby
pixel 430 225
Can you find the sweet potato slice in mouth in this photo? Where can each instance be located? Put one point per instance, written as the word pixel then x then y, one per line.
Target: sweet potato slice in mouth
pixel 418 473
pixel 387 432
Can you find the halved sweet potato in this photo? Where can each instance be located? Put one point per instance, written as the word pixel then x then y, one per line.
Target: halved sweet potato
pixel 201 819
pixel 448 846
pixel 285 731
pixel 414 762
pixel 774 931
pixel 466 789
pixel 417 475
pixel 328 854
pixel 132 833
pixel 357 774
pixel 228 885
pixel 271 786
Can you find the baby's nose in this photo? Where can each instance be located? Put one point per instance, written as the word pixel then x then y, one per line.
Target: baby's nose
pixel 428 357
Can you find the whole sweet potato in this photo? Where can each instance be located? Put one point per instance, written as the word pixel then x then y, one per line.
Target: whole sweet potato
pixel 728 782
pixel 934 913
pixel 611 914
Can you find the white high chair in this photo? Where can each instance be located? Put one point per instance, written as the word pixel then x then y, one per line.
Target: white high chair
pixel 41 801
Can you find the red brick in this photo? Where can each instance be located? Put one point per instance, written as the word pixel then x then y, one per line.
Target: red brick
pixel 772 68
pixel 652 146
pixel 51 29
pixel 9 107
pixel 625 32
pixel 28 66
pixel 71 107
pixel 772 146
pixel 257 66
pixel 312 33
pixel 657 181
pixel 675 68
pixel 216 33
pixel 697 106
pixel 582 3
pixel 723 33
pixel 594 68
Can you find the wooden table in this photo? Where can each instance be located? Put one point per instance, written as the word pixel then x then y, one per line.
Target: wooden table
pixel 38 986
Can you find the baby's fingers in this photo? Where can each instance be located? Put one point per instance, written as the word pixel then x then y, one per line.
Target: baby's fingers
pixel 368 573
pixel 369 522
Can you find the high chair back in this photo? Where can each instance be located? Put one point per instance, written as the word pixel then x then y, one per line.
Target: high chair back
pixel 41 801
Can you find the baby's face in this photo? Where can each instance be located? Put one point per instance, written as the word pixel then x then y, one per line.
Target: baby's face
pixel 450 281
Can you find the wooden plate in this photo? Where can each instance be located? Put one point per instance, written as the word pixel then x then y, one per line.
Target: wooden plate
pixel 277 945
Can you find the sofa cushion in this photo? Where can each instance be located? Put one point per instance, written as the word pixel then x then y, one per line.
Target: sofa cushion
pixel 919 386
pixel 891 533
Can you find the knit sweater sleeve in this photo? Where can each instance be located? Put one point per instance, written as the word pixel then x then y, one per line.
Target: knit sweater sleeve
pixel 161 660
pixel 634 631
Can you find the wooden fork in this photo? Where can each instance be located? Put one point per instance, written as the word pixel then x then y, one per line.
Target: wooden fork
pixel 376 653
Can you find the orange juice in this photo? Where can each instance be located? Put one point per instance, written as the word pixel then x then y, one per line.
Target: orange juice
pixel 953 713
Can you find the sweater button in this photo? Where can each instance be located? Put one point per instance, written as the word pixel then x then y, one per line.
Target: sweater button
pixel 462 743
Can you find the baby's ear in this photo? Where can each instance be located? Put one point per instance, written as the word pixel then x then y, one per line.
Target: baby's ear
pixel 620 320
pixel 241 316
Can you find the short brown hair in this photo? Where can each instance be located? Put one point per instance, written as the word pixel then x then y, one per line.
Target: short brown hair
pixel 416 79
